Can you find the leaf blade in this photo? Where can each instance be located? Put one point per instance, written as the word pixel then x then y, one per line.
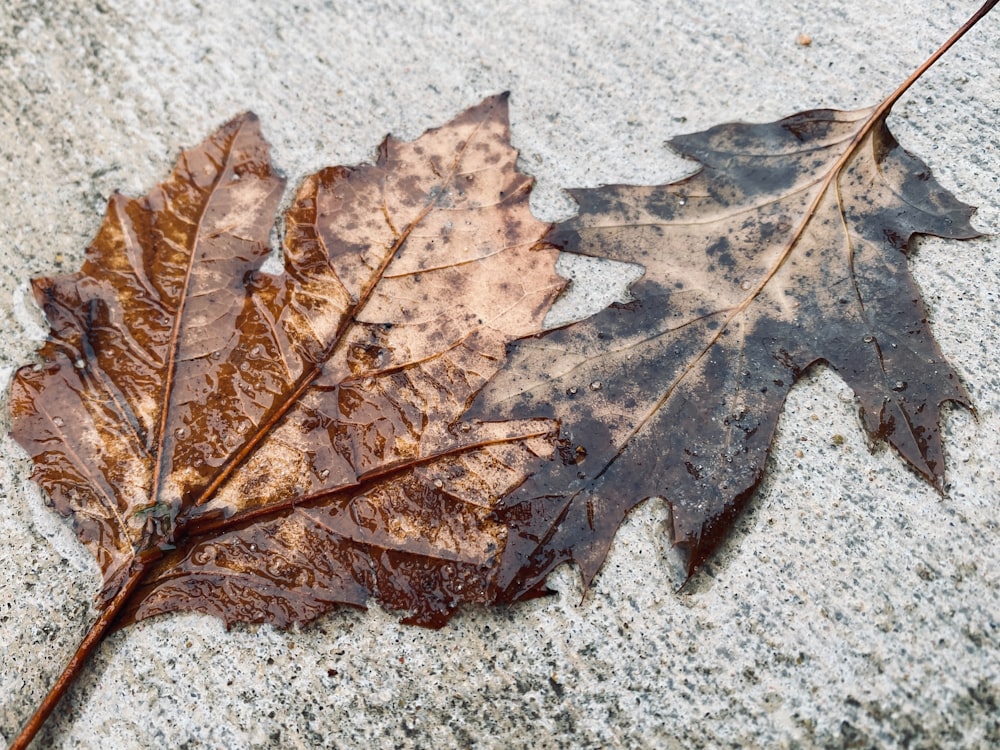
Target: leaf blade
pixel 785 249
pixel 285 394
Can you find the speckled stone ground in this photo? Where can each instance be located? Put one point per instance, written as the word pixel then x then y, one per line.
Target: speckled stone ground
pixel 855 607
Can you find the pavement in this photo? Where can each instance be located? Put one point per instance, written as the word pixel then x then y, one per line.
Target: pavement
pixel 855 606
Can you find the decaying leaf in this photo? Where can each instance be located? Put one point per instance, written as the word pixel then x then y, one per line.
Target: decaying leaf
pixel 786 248
pixel 265 447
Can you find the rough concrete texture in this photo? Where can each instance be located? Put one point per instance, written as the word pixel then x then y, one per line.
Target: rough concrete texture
pixel 855 606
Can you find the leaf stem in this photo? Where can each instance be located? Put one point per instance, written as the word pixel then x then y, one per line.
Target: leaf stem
pixel 87 646
pixel 975 18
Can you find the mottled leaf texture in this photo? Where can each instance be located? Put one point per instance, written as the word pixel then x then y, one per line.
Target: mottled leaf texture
pixel 788 247
pixel 263 447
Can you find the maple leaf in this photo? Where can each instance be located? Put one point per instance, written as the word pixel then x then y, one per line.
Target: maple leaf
pixel 263 447
pixel 787 248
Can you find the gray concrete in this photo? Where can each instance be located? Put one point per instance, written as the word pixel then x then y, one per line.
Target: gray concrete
pixel 855 606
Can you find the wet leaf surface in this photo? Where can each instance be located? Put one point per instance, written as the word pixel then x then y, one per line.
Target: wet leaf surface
pixel 263 447
pixel 787 247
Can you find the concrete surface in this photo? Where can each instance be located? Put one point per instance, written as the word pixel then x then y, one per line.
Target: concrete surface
pixel 855 606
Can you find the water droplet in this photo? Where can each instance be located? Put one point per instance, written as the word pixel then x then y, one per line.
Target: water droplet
pixel 745 285
pixel 324 474
pixel 216 355
pixel 244 366
pixel 572 391
pixel 465 427
pixel 79 364
pixel 58 421
pixel 253 547
pixel 596 385
pixel 682 201
pixel 900 385
pixel 257 351
pixel 438 483
pixel 869 339
pixel 180 432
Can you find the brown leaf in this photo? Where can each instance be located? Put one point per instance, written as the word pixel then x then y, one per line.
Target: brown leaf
pixel 263 447
pixel 787 248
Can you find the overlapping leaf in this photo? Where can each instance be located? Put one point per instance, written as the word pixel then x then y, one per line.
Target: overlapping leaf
pixel 284 443
pixel 788 247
